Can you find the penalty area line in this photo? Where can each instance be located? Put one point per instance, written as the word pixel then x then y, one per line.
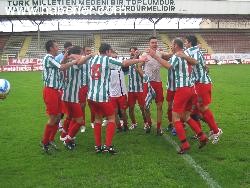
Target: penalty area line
pixel 205 175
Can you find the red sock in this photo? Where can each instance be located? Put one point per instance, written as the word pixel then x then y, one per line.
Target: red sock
pixel 180 130
pixel 199 123
pixel 98 134
pixel 74 129
pixel 209 118
pixel 193 124
pixel 65 127
pixel 92 116
pixel 149 121
pixel 170 116
pixel 53 133
pixel 158 125
pixel 46 134
pixel 110 132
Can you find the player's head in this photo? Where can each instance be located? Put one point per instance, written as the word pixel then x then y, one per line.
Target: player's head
pixel 190 41
pixel 177 45
pixel 87 50
pixel 105 49
pixel 132 51
pixel 75 50
pixel 67 45
pixel 114 54
pixel 153 43
pixel 52 47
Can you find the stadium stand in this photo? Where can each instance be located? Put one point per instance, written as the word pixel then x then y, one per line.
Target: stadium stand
pixel 212 40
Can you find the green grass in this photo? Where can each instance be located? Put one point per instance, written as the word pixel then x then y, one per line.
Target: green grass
pixel 143 160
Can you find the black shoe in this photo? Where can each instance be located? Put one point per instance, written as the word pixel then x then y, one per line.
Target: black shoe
pixel 125 128
pixel 110 150
pixel 70 145
pixel 98 149
pixel 53 145
pixel 45 148
pixel 159 132
pixel 148 129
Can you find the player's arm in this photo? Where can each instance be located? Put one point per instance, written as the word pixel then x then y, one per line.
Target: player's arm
pixel 80 59
pixel 189 59
pixel 163 62
pixel 65 66
pixel 138 69
pixel 166 56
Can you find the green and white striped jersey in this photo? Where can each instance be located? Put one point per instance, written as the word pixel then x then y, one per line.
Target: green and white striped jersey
pixel 51 72
pixel 72 85
pixel 84 74
pixel 199 72
pixel 59 59
pixel 99 68
pixel 171 80
pixel 182 71
pixel 135 81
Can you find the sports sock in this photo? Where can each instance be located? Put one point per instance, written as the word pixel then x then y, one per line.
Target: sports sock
pixel 158 125
pixel 98 134
pixel 46 134
pixel 194 126
pixel 110 132
pixel 180 130
pixel 74 129
pixel 65 127
pixel 53 133
pixel 209 118
pixel 169 116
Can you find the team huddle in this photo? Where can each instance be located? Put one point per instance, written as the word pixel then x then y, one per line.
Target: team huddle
pixel 77 76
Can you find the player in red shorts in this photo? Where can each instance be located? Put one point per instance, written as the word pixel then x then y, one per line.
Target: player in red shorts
pixel 203 87
pixel 183 95
pixel 51 95
pixel 99 68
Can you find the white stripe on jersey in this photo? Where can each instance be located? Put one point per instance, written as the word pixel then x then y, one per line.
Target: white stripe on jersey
pixel 135 80
pixel 117 86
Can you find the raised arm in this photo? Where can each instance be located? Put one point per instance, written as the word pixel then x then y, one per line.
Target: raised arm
pixel 189 59
pixel 163 62
pixel 129 62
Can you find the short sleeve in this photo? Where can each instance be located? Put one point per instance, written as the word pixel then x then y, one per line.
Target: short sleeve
pixel 114 63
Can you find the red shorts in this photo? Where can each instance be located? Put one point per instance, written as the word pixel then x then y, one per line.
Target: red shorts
pixel 157 86
pixel 183 99
pixel 102 108
pixel 170 96
pixel 72 109
pixel 119 102
pixel 52 100
pixel 83 91
pixel 204 93
pixel 61 93
pixel 133 96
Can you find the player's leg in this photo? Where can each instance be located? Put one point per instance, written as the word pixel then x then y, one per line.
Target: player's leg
pixel 131 109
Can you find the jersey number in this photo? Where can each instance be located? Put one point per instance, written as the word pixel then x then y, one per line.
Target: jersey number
pixel 95 71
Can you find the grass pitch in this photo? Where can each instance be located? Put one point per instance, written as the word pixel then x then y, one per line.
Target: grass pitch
pixel 143 160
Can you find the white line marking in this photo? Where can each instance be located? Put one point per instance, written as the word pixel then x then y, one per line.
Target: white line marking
pixel 210 181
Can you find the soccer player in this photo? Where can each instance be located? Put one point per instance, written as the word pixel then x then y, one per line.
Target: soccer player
pixel 118 96
pixel 135 92
pixel 60 58
pixel 51 95
pixel 83 85
pixel 70 99
pixel 203 87
pixel 99 68
pixel 152 70
pixel 183 95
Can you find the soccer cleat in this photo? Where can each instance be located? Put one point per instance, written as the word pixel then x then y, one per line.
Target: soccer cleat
pixel 92 125
pixel 216 137
pixel 63 138
pixel 45 148
pixel 60 126
pixel 145 126
pixel 173 131
pixel 133 126
pixel 83 129
pixel 98 149
pixel 159 132
pixel 194 137
pixel 184 148
pixel 203 140
pixel 109 149
pixel 70 145
pixel 53 145
pixel 148 129
pixel 125 128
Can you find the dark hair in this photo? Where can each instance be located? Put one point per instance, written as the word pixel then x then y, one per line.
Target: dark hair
pixel 150 38
pixel 75 50
pixel 133 48
pixel 192 39
pixel 179 42
pixel 49 44
pixel 67 44
pixel 104 47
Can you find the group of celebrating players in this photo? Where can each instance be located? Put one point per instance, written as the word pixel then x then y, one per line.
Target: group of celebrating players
pixel 77 75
